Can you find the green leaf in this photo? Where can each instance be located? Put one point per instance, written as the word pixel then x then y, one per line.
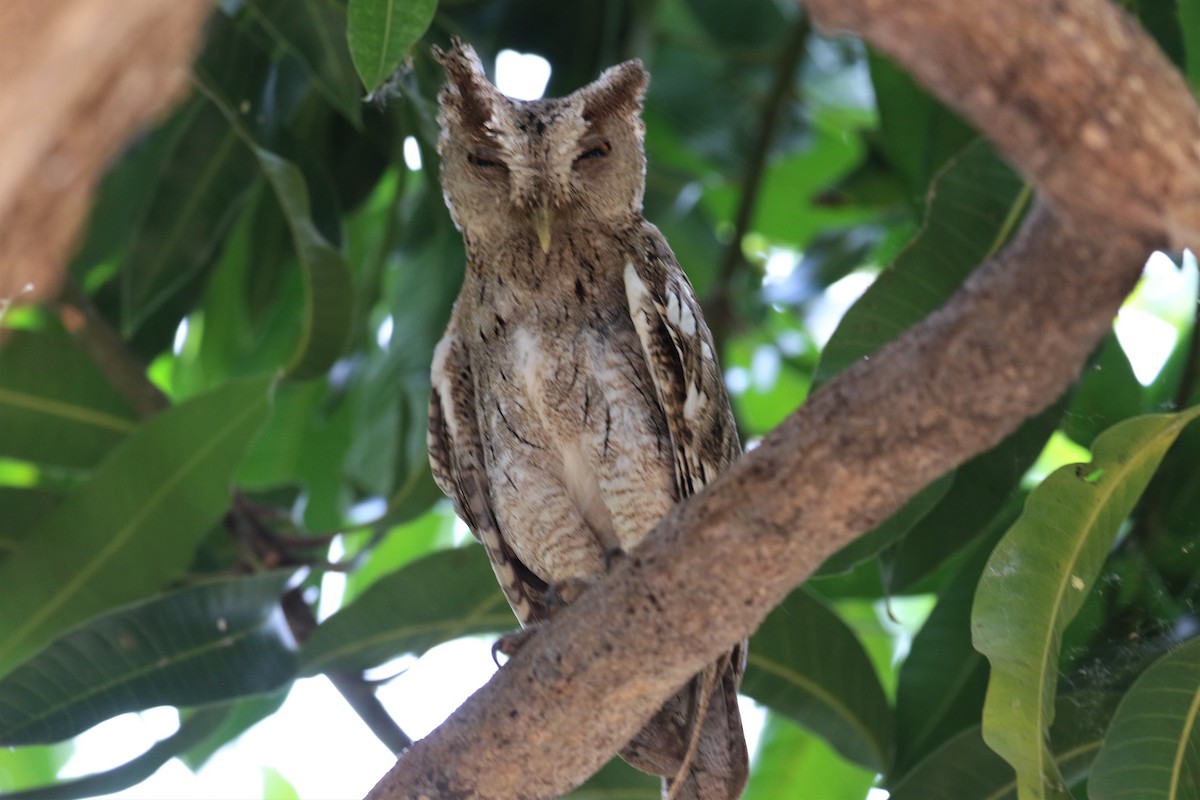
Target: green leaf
pixel 328 287
pixel 982 488
pixel 943 678
pixel 315 30
pixel 1107 393
pixel 31 766
pixel 189 647
pixel 402 545
pixel 382 32
pixel 870 544
pixel 56 407
pixel 965 768
pixel 1153 745
pixel 976 204
pixel 133 527
pixel 193 203
pixel 791 762
pixel 277 787
pixel 131 773
pixel 1189 27
pixel 243 715
pixel 919 133
pixel 833 689
pixel 444 596
pixel 1038 577
pixel 616 780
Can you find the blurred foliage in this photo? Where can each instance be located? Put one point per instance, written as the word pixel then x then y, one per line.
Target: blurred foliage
pixel 274 261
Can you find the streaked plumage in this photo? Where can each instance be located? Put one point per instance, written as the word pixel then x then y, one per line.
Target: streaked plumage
pixel 576 393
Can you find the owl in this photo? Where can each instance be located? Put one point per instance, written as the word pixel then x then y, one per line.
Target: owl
pixel 576 394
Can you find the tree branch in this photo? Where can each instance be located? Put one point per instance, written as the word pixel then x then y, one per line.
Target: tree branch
pixel 1076 94
pixel 1121 165
pixel 80 78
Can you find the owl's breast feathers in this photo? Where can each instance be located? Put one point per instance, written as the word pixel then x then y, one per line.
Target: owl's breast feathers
pixel 568 421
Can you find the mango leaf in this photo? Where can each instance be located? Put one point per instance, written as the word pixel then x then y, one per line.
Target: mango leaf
pixel 243 715
pixel 185 648
pixel 31 766
pixel 328 287
pixel 444 596
pixel 382 32
pixel 617 780
pixel 791 762
pixel 194 201
pixel 315 31
pixel 919 133
pixel 832 690
pixel 981 489
pixel 134 526
pixel 889 531
pixel 1037 579
pixel 56 407
pixel 1189 28
pixel 976 203
pixel 193 730
pixel 965 768
pixel 1108 392
pixel 943 679
pixel 1152 749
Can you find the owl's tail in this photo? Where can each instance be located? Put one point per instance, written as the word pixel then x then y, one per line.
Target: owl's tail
pixel 695 741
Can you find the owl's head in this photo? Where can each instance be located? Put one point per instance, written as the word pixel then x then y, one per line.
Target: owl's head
pixel 518 169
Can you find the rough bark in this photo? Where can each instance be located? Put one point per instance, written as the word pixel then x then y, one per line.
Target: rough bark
pixel 1075 93
pixel 80 78
pixel 1085 104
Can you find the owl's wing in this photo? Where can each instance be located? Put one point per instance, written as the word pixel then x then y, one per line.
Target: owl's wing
pixel 457 459
pixel 679 351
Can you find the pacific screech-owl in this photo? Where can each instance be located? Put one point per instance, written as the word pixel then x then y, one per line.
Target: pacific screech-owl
pixel 576 392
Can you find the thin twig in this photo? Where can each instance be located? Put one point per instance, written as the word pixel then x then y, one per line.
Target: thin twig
pixel 719 309
pixel 96 337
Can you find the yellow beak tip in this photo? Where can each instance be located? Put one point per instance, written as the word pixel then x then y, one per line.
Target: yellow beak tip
pixel 543 219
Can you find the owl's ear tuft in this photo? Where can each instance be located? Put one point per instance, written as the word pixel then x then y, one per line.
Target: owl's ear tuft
pixel 468 95
pixel 618 89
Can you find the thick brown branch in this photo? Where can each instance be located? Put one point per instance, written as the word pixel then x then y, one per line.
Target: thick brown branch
pixel 1083 102
pixel 1000 351
pixel 1075 94
pixel 80 77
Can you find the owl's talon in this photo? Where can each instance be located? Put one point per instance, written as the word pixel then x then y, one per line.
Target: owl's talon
pixel 510 643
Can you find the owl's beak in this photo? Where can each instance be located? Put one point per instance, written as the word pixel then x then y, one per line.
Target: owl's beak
pixel 542 218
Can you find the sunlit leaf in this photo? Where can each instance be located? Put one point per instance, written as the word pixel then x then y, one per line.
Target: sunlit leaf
pixel 1038 577
pixel 133 527
pixel 189 647
pixel 832 690
pixel 382 32
pixel 444 596
pixel 1153 745
pixel 791 762
pixel 133 772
